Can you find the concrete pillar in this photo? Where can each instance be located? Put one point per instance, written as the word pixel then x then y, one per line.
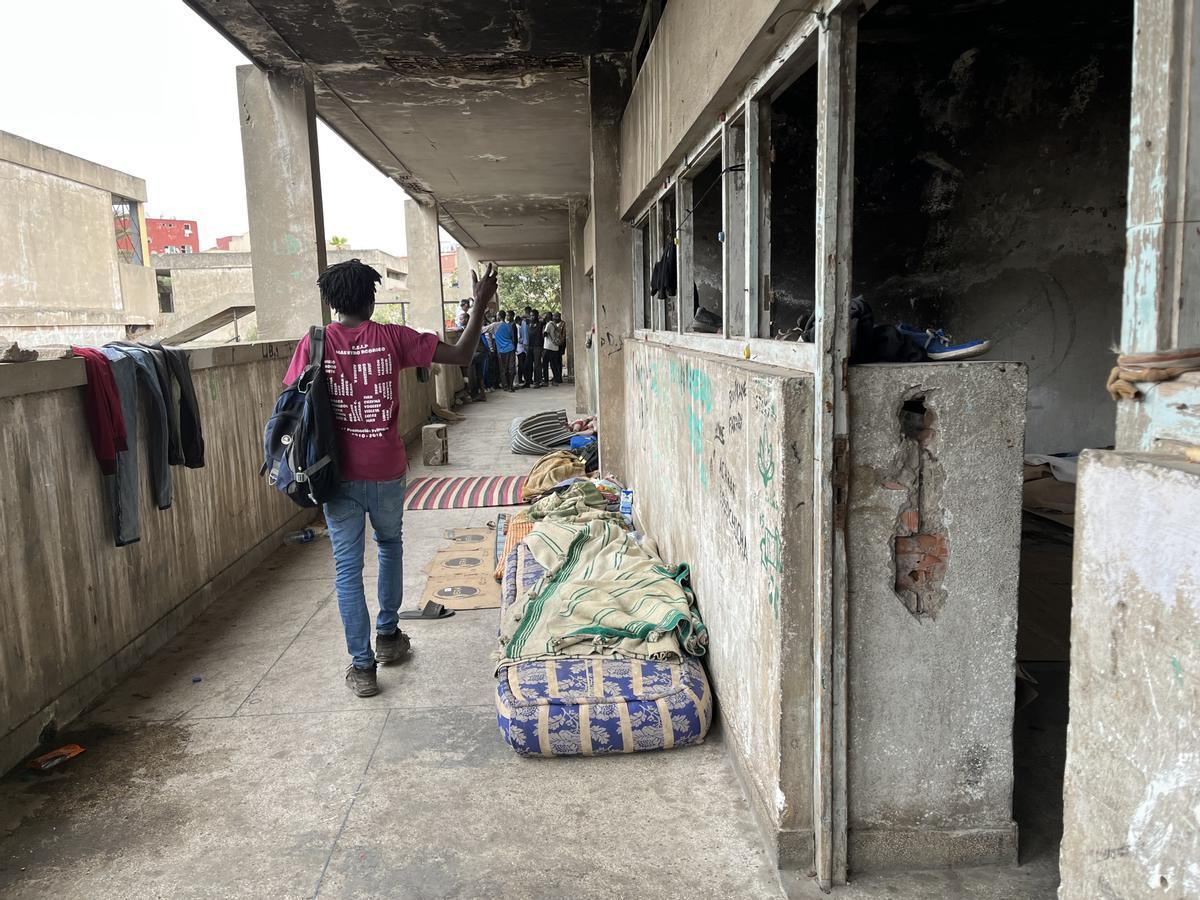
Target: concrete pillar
pixel 1162 264
pixel 424 266
pixel 425 288
pixel 283 199
pixel 467 260
pixel 579 312
pixel 608 81
pixel 1132 771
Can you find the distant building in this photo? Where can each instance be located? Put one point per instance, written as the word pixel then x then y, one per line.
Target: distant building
pixel 173 236
pixel 209 296
pixel 234 243
pixel 73 248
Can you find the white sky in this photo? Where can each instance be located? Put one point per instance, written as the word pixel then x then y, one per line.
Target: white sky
pixel 147 87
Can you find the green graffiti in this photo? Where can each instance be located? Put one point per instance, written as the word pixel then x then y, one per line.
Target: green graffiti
pixel 770 547
pixel 1175 665
pixel 773 596
pixel 766 460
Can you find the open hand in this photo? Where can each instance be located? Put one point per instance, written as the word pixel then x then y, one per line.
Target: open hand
pixel 484 289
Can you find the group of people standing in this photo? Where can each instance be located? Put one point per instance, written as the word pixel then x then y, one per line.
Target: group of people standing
pixel 517 351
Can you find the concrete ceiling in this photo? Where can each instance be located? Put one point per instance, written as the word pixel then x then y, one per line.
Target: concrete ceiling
pixel 480 104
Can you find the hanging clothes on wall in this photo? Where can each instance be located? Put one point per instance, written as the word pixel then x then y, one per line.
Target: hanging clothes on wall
pixel 664 277
pixel 191 431
pixel 102 404
pixel 133 368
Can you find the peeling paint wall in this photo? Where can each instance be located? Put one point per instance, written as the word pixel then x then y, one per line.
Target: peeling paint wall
pixel 78 613
pixel 720 461
pixel 933 539
pixel 992 156
pixel 1133 741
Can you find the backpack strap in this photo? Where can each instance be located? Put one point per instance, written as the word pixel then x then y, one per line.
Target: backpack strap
pixel 316 346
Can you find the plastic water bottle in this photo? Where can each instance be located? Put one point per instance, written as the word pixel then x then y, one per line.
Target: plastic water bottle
pixel 627 506
pixel 307 535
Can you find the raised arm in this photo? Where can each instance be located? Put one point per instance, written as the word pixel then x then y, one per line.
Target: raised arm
pixel 461 352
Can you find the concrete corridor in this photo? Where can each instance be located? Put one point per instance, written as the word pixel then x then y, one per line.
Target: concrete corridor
pixel 267 778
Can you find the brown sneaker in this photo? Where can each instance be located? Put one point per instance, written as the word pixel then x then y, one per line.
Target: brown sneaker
pixel 392 647
pixel 362 681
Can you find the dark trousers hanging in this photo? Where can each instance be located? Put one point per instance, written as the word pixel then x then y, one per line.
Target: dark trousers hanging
pixel 135 376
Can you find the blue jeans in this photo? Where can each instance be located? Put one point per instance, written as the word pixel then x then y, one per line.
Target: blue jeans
pixel 345 515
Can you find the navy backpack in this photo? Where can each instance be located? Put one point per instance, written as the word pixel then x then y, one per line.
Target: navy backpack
pixel 300 442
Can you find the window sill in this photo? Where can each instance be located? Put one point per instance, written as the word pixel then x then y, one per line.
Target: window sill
pixel 785 354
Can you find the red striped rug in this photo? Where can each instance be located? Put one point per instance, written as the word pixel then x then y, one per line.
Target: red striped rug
pixel 470 492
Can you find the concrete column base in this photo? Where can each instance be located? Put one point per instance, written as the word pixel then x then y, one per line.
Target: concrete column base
pixel 907 849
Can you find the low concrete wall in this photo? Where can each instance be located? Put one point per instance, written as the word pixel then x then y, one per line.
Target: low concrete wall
pixel 933 540
pixel 1133 742
pixel 77 613
pixel 719 454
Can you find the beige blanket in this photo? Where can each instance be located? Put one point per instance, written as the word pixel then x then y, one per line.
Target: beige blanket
pixel 603 594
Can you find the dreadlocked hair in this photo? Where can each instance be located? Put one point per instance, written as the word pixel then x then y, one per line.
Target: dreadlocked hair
pixel 349 287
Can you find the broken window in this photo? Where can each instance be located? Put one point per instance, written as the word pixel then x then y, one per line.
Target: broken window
pixel 127 229
pixel 651 16
pixel 166 293
pixel 701 302
pixel 668 240
pixel 642 268
pixel 790 176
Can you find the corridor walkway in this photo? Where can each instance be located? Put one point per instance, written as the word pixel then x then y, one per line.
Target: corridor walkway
pixel 235 763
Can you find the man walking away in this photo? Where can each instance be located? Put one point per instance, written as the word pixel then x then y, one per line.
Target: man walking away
pixel 363 360
pixel 534 347
pixel 556 342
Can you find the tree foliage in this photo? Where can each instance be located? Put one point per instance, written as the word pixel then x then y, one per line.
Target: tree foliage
pixel 536 286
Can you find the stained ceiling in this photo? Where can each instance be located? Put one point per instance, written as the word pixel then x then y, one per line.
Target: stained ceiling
pixel 481 104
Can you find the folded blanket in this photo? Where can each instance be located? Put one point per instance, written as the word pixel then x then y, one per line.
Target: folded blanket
pixel 582 500
pixel 602 594
pixel 549 471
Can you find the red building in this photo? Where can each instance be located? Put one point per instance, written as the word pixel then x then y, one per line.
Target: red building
pixel 173 236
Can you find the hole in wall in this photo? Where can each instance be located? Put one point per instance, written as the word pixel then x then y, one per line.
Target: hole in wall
pixel 920 549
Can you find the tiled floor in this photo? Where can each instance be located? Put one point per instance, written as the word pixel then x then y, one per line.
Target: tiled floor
pixel 267 778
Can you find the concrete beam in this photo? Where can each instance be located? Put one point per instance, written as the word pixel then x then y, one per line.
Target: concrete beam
pixel 608 86
pixel 283 199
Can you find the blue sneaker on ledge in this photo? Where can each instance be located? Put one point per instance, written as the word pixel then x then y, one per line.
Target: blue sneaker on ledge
pixel 940 346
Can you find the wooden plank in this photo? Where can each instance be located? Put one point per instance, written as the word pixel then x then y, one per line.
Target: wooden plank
pixel 835 162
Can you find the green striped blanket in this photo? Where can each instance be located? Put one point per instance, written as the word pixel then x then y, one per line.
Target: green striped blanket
pixel 602 594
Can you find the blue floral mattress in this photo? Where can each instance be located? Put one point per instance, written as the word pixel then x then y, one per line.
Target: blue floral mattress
pixel 594 705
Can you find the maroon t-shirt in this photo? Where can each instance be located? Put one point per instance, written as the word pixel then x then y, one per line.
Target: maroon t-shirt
pixel 362 365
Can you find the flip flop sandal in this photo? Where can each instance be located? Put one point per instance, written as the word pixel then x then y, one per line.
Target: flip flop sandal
pixel 431 610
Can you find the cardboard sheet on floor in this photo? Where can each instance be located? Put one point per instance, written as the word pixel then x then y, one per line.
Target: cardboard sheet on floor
pixel 469 537
pixel 462 592
pixel 459 561
pixel 460 576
